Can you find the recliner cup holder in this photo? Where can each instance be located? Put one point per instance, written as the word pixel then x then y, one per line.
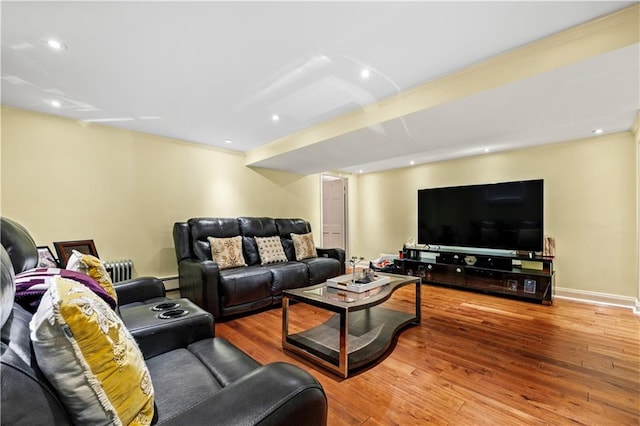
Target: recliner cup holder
pixel 173 313
pixel 165 306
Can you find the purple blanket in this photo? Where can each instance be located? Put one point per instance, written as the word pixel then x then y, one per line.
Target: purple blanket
pixel 32 284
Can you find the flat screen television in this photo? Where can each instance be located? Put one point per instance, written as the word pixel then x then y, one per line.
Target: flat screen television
pixel 507 215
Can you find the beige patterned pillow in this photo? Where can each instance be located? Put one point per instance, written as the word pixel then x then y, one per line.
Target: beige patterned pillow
pixel 227 252
pixel 270 250
pixel 304 246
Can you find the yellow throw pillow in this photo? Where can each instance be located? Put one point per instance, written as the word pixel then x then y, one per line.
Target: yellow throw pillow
pixel 304 246
pixel 97 271
pixel 227 252
pixel 94 267
pixel 88 355
pixel 270 250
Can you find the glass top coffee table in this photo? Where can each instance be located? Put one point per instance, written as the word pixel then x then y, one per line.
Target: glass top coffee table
pixel 342 330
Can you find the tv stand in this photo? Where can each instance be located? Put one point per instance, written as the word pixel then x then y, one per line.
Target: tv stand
pixel 523 277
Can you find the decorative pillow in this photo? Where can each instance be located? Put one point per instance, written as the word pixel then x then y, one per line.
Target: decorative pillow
pixel 304 246
pixel 92 266
pixel 270 249
pixel 227 252
pixel 88 355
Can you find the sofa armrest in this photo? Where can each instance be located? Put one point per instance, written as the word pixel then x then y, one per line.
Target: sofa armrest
pixel 199 283
pixel 156 335
pixel 274 394
pixel 335 253
pixel 139 289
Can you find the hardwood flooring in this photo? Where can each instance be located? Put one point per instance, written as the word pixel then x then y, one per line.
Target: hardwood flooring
pixel 480 360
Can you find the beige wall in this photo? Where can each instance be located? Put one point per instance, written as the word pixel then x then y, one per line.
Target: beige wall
pixel 124 190
pixel 64 180
pixel 590 205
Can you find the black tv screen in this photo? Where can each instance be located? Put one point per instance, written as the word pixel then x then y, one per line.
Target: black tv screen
pixel 506 215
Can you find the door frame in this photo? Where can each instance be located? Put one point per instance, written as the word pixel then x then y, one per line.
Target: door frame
pixel 345 186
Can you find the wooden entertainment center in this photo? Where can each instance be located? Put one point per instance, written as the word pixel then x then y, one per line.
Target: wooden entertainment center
pixel 523 277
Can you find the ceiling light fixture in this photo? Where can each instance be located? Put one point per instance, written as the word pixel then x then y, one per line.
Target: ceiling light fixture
pixel 275 117
pixel 365 74
pixel 228 141
pixel 56 45
pixel 486 150
pixel 412 162
pixel 360 171
pixel 56 104
pixel 597 131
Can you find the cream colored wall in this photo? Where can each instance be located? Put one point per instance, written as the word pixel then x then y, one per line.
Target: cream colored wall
pixel 124 190
pixel 590 205
pixel 64 181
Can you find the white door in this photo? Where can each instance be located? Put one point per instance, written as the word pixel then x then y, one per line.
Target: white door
pixel 334 212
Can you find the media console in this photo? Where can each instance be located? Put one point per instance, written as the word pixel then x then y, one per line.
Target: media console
pixel 523 277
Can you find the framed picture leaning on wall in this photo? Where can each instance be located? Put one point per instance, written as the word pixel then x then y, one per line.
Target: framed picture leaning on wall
pixel 65 248
pixel 46 259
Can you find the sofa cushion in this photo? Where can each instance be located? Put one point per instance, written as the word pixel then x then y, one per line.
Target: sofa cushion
pixel 288 275
pixel 88 355
pixel 244 285
pixel 304 246
pixel 227 252
pixel 250 249
pixel 203 228
pixel 270 250
pixel 321 269
pixel 225 362
pixel 180 381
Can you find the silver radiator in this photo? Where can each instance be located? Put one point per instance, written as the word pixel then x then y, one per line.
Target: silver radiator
pixel 120 270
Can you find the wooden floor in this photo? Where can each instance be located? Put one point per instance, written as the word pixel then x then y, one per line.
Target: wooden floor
pixel 481 360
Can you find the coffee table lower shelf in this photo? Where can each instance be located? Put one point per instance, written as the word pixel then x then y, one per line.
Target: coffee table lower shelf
pixel 371 332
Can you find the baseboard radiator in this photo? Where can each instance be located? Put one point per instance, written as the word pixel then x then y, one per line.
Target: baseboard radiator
pixel 120 270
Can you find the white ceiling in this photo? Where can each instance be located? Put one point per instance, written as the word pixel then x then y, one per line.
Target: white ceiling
pixel 208 72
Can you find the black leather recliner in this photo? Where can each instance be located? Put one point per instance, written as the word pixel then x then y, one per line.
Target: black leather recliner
pixel 245 289
pixel 205 381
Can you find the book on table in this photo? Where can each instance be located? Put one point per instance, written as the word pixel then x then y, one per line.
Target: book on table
pixel 345 282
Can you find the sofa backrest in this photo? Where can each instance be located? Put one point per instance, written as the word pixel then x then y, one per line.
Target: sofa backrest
pixel 26 397
pixel 251 227
pixel 203 227
pixel 191 241
pixel 286 227
pixel 19 245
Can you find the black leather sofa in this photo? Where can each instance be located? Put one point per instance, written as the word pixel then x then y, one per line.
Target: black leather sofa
pixel 245 289
pixel 197 380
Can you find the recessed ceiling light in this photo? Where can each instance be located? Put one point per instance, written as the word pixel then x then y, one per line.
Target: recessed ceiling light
pixel 56 104
pixel 275 117
pixel 486 150
pixel 412 162
pixel 365 74
pixel 228 141
pixel 597 131
pixel 360 171
pixel 56 45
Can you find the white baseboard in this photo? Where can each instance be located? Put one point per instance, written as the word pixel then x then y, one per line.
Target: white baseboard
pixel 599 298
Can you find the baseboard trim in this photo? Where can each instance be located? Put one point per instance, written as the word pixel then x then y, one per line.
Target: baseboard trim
pixel 599 298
